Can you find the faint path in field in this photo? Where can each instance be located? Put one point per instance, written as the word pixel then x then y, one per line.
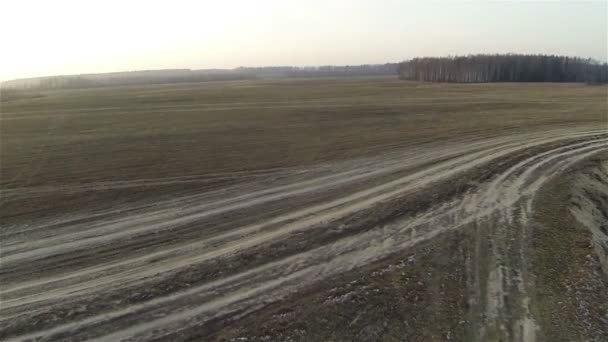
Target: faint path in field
pixel 34 191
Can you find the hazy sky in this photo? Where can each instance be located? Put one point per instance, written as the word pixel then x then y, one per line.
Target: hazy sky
pixel 66 37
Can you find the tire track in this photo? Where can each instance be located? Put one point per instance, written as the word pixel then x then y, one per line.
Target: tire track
pixel 249 290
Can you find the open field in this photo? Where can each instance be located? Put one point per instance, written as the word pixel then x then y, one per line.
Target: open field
pixel 315 209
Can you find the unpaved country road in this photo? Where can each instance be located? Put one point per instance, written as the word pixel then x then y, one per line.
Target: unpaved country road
pixel 161 270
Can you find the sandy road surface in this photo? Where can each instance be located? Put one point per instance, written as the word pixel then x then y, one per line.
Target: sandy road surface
pixel 160 270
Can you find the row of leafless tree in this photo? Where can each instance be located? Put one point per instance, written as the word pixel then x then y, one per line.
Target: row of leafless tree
pixel 322 71
pixel 122 78
pixel 187 75
pixel 504 68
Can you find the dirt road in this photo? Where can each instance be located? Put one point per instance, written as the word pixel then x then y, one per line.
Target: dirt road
pixel 180 267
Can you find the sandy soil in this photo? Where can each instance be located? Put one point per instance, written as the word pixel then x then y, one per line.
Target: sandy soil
pixel 305 210
pixel 148 272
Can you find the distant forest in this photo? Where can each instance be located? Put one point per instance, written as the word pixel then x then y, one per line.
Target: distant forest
pixel 464 69
pixel 504 68
pixel 187 75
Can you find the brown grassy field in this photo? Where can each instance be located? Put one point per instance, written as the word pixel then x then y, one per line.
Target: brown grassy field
pixel 191 206
pixel 167 131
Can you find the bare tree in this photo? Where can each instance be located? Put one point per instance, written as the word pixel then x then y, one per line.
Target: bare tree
pixel 504 68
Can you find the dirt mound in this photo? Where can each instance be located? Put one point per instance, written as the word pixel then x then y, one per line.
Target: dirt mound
pixel 589 204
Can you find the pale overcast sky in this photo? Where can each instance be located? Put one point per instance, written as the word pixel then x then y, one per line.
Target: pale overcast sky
pixel 68 37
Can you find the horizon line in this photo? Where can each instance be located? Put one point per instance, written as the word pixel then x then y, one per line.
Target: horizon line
pixel 296 66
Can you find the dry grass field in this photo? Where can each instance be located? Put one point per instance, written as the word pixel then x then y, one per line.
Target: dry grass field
pixel 305 209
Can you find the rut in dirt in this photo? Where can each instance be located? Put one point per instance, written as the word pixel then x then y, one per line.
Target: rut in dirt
pixel 155 270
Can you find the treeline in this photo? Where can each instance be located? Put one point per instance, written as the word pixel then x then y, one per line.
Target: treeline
pixel 187 75
pixel 504 68
pixel 322 71
pixel 123 78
